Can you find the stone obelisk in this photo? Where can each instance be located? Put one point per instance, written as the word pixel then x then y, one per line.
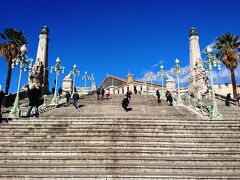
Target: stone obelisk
pixel 42 56
pixel 198 77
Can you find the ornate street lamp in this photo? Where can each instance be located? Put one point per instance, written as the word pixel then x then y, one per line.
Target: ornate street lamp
pixel 57 68
pixel 85 77
pixel 23 61
pixel 208 65
pixel 181 82
pixel 92 78
pixel 75 72
pixel 177 70
pixel 162 73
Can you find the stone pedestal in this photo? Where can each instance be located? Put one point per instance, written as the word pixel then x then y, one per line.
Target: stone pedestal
pixel 67 83
pixel 170 83
pixel 198 77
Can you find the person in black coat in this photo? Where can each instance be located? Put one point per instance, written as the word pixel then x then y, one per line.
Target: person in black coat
pixel 68 96
pixel 75 100
pixel 169 98
pixel 125 103
pixel 158 96
pixel 103 92
pixel 98 93
pixel 227 102
pixel 129 93
pixel 34 95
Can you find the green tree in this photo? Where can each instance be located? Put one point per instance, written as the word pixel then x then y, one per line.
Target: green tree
pixel 9 49
pixel 228 48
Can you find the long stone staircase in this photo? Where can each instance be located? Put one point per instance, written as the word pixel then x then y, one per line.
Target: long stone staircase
pixel 100 140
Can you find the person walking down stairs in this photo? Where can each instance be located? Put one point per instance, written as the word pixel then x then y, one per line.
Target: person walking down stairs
pixel 98 94
pixel 107 93
pixel 125 103
pixel 34 95
pixel 102 92
pixel 75 100
pixel 169 98
pixel 68 96
pixel 158 96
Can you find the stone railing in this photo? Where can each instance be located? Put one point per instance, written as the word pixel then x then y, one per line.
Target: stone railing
pixel 9 99
pixel 232 101
pixel 47 107
pixel 199 106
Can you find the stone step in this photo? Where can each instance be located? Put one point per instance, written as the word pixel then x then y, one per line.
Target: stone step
pixel 76 141
pixel 175 127
pixel 129 139
pixel 119 156
pixel 78 120
pixel 122 134
pixel 134 160
pixel 165 133
pixel 151 149
pixel 161 150
pixel 118 169
pixel 102 176
pixel 228 155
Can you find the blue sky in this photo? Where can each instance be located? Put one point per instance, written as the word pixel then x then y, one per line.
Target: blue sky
pixel 117 36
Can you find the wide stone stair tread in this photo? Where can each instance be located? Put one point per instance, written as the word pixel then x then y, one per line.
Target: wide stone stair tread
pixel 100 140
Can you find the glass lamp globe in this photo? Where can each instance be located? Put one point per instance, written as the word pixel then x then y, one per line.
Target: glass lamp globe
pixel 177 61
pixel 209 50
pixel 58 60
pixel 23 49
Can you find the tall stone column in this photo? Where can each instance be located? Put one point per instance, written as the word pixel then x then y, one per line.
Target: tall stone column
pixel 198 77
pixel 42 56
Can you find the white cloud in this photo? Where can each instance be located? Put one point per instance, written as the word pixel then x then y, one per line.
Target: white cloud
pixel 224 75
pixel 220 77
pixel 158 64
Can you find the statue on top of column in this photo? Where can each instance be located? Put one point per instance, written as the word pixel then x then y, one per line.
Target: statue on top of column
pixel 36 74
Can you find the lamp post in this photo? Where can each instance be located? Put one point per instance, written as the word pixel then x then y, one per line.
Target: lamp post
pixel 208 65
pixel 148 77
pixel 92 78
pixel 57 68
pixel 22 60
pixel 177 70
pixel 162 73
pixel 85 77
pixel 75 72
pixel 181 82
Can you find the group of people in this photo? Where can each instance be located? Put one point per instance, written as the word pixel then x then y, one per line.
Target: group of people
pixel 168 95
pixel 35 99
pixel 102 92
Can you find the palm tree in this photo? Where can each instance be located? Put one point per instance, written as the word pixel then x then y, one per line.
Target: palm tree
pixel 228 48
pixel 14 39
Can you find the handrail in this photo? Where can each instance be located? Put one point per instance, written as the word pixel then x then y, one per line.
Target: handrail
pixel 231 100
